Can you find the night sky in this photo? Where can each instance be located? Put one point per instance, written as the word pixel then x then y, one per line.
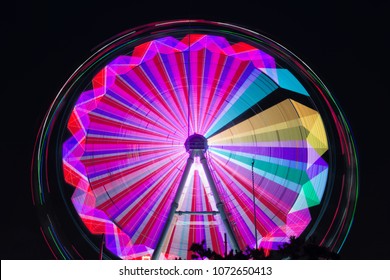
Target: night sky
pixel 347 46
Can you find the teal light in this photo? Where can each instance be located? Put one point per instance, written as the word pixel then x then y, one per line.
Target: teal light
pixel 252 93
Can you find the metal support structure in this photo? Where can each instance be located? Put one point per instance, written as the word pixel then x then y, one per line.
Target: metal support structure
pixel 219 203
pixel 196 146
pixel 197 213
pixel 225 242
pixel 254 202
pixel 174 206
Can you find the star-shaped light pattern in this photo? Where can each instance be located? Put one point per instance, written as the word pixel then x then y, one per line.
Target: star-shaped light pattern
pixel 126 154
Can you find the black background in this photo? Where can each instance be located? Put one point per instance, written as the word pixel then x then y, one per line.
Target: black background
pixel 346 45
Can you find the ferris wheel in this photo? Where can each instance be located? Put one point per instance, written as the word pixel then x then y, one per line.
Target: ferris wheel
pixel 188 131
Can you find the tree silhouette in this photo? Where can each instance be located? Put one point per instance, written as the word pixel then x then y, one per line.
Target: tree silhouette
pixel 295 249
pixel 300 249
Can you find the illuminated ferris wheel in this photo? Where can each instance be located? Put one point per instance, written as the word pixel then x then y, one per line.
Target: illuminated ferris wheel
pixel 189 131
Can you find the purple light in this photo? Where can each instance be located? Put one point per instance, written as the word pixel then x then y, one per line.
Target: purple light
pixel 126 154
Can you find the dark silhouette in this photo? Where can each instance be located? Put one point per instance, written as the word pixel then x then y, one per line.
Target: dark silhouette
pixel 200 252
pixel 300 249
pixel 295 249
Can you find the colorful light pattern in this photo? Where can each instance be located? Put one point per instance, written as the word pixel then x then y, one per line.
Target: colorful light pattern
pixel 126 153
pixel 110 155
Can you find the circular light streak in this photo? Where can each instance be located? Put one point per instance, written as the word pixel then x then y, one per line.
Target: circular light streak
pixel 149 147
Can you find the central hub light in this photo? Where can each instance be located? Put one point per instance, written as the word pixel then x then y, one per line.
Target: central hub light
pixel 196 142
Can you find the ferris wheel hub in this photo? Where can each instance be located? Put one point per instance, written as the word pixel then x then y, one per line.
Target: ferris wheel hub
pixel 196 142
